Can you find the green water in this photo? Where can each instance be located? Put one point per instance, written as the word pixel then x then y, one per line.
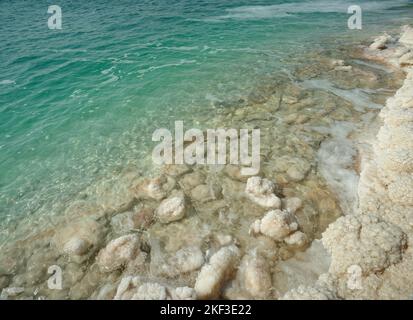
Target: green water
pixel 81 103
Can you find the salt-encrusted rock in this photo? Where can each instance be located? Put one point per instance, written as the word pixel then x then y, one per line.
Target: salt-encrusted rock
pixel 191 180
pixel 365 241
pixel 407 36
pixel 336 62
pixel 234 172
pixel 390 137
pixel 255 228
pixel 213 275
pixel 309 293
pixel 11 292
pixel 176 170
pixel 224 240
pixel 343 68
pixel 123 223
pixel 381 42
pixel 129 221
pixel 123 286
pixel 118 253
pixel 296 174
pixel 171 209
pixel 289 99
pixel 151 189
pixel 298 239
pixel 276 224
pixel 396 117
pixel 184 293
pixel 78 238
pixel 106 292
pixel 400 51
pixel 255 275
pixel 150 291
pixel 401 190
pixel 185 260
pixel 406 59
pixel 76 246
pixel 376 246
pixel 261 192
pixel 292 204
pixel 205 193
pixel 4 282
pixel 397 159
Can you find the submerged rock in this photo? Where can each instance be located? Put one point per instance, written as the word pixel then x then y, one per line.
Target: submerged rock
pixel 297 240
pixel 213 275
pixel 11 292
pixel 118 253
pixel 191 180
pixel 155 189
pixel 381 42
pixel 292 204
pixel 204 193
pixel 78 238
pixel 183 261
pixel 255 275
pixel 276 224
pixel 184 293
pixel 76 246
pixel 129 221
pixel 171 209
pixel 261 192
pixel 150 291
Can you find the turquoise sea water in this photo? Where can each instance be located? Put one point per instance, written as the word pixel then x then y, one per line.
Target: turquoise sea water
pixel 81 103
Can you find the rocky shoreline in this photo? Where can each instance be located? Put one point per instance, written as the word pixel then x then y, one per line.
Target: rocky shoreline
pixel 376 242
pixel 207 232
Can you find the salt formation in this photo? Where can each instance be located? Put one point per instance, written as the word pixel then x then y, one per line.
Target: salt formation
pixel 297 239
pixel 371 250
pixel 155 189
pixel 255 276
pixel 150 291
pixel 138 288
pixel 365 241
pixel 292 204
pixel 79 238
pixel 183 261
pixel 381 42
pixel 276 224
pixel 261 191
pixel 171 209
pixel 11 292
pixel 118 253
pixel 213 275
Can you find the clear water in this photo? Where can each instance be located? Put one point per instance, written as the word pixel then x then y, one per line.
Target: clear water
pixel 81 103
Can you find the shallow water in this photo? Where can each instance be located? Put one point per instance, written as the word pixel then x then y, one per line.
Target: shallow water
pixel 78 108
pixel 80 103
